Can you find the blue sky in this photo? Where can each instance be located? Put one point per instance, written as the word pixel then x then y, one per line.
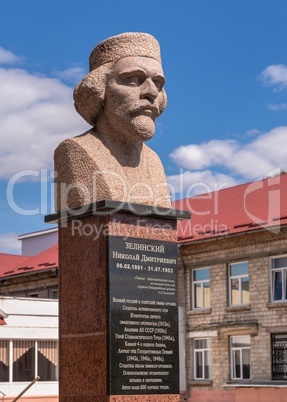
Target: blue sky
pixel 225 63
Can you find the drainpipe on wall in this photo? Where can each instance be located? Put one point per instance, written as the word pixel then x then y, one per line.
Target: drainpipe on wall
pixel 185 322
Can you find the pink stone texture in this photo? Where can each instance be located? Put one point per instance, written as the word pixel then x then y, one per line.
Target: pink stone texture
pixel 82 304
pixel 121 98
pixel 87 172
pixel 143 228
pixel 126 44
pixel 82 316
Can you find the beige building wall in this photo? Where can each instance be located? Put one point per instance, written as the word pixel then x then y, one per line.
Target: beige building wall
pixel 259 318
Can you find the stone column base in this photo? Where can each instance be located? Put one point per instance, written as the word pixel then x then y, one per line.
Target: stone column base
pixel 87 244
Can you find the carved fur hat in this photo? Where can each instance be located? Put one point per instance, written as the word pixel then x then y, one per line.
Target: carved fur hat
pixel 125 45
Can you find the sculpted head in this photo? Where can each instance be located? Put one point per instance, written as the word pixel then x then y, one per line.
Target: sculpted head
pixel 125 85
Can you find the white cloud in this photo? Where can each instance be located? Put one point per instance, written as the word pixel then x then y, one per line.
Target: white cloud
pixel 36 113
pixel 244 161
pixel 277 106
pixel 188 183
pixel 7 57
pixel 73 74
pixel 10 244
pixel 265 153
pixel 275 75
pixel 206 154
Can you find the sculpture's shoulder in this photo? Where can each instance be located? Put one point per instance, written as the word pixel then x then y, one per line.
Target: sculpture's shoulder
pixel 148 151
pixel 76 153
pixel 156 178
pixel 77 144
pixel 151 157
pixel 75 165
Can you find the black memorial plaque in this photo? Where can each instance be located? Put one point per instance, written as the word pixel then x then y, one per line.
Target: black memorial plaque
pixel 143 317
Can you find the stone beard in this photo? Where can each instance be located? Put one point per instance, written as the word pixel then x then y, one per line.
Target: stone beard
pixel 121 98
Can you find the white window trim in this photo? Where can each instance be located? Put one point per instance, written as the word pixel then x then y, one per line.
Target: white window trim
pixel 202 334
pixel 232 359
pixel 202 307
pixel 195 351
pixel 10 362
pixel 273 282
pixel 230 277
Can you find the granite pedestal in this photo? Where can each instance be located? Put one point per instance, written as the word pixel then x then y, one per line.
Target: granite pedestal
pixel 117 308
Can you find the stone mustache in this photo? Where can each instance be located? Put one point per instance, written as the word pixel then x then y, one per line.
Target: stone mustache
pixel 120 98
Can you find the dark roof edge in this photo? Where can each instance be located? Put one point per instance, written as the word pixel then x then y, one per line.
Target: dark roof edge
pixel 12 276
pixel 210 238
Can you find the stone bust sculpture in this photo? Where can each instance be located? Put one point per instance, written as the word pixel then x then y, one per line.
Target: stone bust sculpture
pixel 121 98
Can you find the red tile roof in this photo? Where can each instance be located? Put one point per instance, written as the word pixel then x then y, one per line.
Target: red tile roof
pixel 47 259
pixel 243 208
pixel 8 261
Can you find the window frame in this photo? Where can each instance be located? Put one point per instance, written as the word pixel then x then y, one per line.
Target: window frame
pixel 201 351
pixel 232 359
pixel 11 344
pixel 280 375
pixel 33 295
pixel 272 281
pixel 239 277
pixel 52 293
pixel 193 293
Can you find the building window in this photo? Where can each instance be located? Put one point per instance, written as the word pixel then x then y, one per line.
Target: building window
pixel 238 283
pixel 23 361
pixel 29 359
pixel 47 358
pixel 53 294
pixel 4 360
pixel 35 295
pixel 279 278
pixel 202 359
pixel 279 356
pixel 240 357
pixel 200 288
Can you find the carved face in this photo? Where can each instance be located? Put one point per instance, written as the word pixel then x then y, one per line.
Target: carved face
pixel 133 96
